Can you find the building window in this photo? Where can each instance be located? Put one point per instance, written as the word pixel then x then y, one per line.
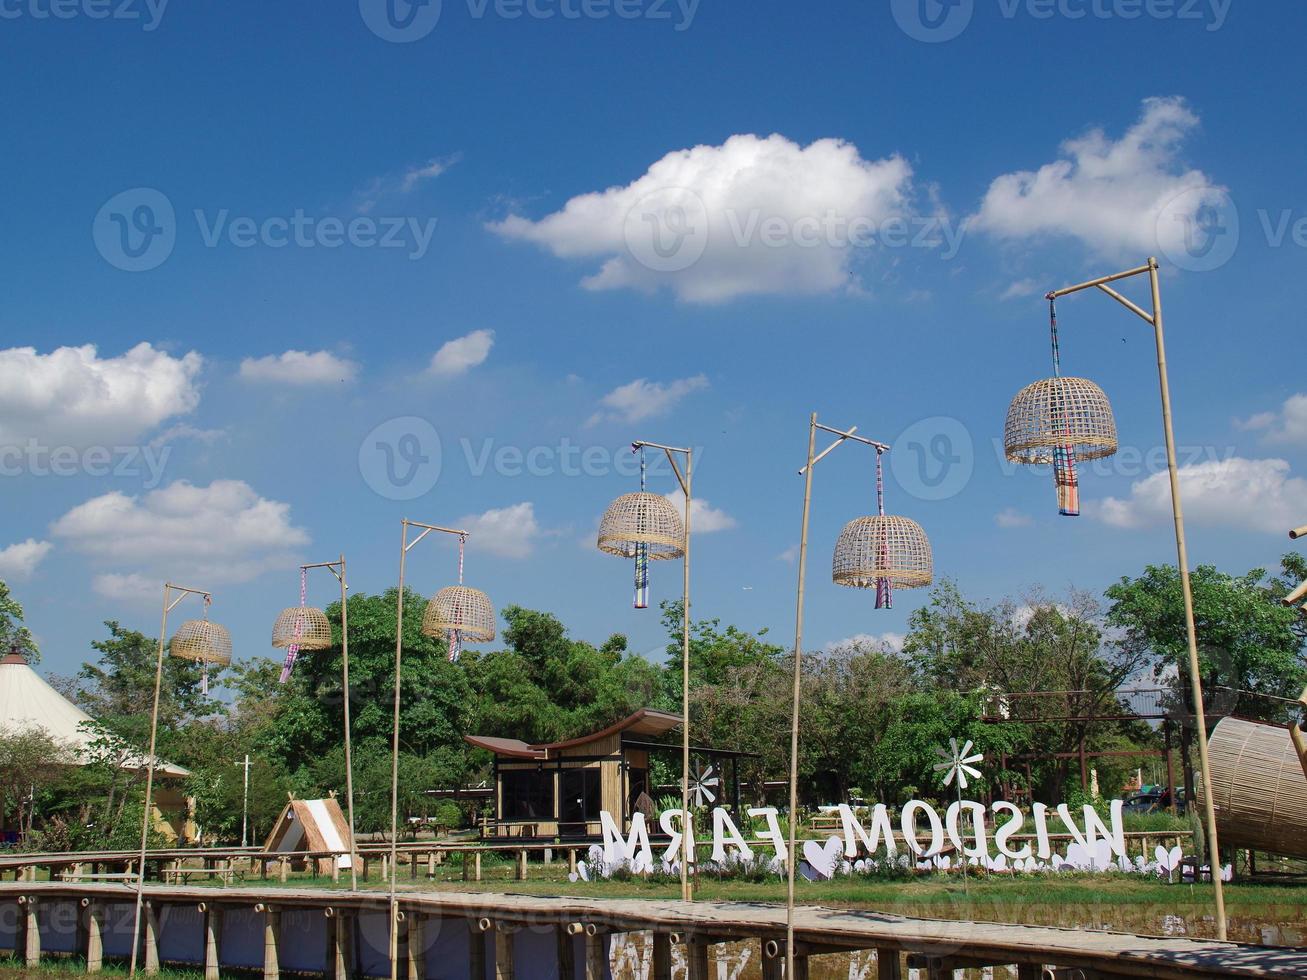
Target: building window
pixel 528 794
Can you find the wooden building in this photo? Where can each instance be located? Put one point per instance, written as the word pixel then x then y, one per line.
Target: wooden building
pixel 557 790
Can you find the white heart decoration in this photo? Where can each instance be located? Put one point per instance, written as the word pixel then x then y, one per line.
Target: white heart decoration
pixel 823 860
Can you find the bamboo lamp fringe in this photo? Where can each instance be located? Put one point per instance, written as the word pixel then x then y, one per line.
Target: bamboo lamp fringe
pixel 642 518
pixel 202 641
pixel 457 608
pixel 304 627
pixel 870 549
pixel 1059 413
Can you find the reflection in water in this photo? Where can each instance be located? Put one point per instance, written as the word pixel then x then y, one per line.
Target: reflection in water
pixel 632 954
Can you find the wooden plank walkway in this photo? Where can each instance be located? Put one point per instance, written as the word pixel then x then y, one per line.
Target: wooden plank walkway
pixel 943 944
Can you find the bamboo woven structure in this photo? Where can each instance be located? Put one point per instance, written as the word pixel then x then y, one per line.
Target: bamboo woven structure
pixel 458 608
pixel 1259 790
pixel 1056 413
pixel 642 518
pixel 873 548
pixel 202 641
pixel 302 626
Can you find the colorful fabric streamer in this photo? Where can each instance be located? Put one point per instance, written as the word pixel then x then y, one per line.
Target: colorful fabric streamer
pixel 293 650
pixel 1065 478
pixel 641 600
pixel 456 636
pixel 884 588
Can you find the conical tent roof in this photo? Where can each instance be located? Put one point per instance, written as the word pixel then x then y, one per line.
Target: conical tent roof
pixel 27 701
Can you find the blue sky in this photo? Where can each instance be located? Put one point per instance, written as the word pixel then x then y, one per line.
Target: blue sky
pixel 874 207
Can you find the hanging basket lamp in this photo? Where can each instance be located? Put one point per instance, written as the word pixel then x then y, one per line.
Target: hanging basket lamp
pixel 202 641
pixel 871 550
pixel 1055 413
pixel 460 610
pixel 642 518
pixel 304 627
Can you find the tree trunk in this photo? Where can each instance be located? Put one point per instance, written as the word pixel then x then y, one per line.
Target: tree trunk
pixel 1186 745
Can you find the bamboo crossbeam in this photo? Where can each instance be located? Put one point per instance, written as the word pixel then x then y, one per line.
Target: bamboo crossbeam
pixel 1100 281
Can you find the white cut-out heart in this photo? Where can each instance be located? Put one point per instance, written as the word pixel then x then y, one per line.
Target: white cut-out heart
pixel 823 860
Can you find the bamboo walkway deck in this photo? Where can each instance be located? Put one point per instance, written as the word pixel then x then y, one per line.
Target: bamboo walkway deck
pixel 938 946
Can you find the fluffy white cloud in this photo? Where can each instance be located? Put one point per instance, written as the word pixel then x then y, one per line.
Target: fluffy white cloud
pixel 1287 425
pixel 888 642
pixel 1249 494
pixel 704 518
pixel 299 367
pixel 73 396
pixel 19 561
pixel 1114 195
pixel 225 532
pixel 461 355
pixel 1011 517
pixel 510 532
pixel 752 216
pixel 643 399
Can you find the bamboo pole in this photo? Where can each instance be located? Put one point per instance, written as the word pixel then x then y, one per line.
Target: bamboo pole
pixel 394 761
pixel 1191 629
pixel 687 889
pixel 349 754
pixel 792 861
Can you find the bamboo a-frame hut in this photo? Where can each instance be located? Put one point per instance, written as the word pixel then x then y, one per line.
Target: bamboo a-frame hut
pixel 316 826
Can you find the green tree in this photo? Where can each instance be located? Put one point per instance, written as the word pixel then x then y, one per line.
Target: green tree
pixel 13 634
pixel 1249 643
pixel 31 763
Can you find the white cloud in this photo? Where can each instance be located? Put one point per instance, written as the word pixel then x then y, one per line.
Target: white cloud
pixel 704 518
pixel 1011 517
pixel 790 555
pixel 1112 195
pixel 176 433
pixel 1020 288
pixel 223 533
pixel 1248 494
pixel 461 355
pixel 19 561
pixel 697 220
pixel 1287 425
pixel 510 532
pixel 132 587
pixel 888 642
pixel 402 183
pixel 72 396
pixel 299 367
pixel 643 399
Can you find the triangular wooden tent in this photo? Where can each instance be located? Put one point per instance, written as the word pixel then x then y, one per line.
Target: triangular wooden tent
pixel 315 826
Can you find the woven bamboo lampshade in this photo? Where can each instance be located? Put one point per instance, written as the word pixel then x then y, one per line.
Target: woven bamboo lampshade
pixel 1055 413
pixel 458 608
pixel 203 641
pixel 873 548
pixel 642 518
pixel 302 626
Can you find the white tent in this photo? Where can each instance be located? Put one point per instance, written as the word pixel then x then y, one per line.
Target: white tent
pixel 27 701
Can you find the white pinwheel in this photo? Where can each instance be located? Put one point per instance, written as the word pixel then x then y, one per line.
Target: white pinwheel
pixel 703 785
pixel 957 762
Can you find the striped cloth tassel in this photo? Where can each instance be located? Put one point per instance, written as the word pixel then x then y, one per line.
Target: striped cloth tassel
pixel 641 576
pixel 884 588
pixel 1065 479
